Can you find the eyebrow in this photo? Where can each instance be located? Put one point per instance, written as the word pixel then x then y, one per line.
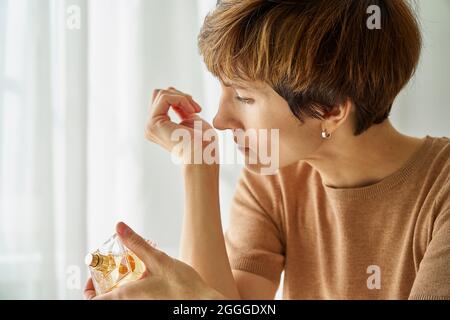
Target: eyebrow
pixel 250 89
pixel 236 86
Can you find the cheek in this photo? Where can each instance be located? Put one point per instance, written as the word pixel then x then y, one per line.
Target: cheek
pixel 280 131
pixel 299 140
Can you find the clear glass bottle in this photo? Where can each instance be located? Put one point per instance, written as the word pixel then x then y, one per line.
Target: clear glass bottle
pixel 113 265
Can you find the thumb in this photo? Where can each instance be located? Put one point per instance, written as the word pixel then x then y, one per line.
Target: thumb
pixel 153 258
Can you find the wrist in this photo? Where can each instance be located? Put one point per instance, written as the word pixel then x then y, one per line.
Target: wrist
pixel 199 170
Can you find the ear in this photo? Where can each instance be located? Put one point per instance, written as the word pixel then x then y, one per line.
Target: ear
pixel 338 116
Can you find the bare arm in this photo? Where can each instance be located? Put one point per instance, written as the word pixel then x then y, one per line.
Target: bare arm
pixel 203 244
pixel 254 287
pixel 202 241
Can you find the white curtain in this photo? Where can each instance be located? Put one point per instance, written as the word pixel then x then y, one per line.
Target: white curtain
pixel 73 106
pixel 73 157
pixel 423 107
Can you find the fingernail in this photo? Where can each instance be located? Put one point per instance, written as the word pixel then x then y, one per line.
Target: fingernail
pixel 123 229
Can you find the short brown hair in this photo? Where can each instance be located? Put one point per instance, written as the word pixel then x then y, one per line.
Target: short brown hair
pixel 316 53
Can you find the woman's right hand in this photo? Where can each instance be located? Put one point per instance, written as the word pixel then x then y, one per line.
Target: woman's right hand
pixel 202 241
pixel 161 130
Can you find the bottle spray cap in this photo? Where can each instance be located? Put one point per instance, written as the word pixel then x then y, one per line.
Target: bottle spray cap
pixel 92 260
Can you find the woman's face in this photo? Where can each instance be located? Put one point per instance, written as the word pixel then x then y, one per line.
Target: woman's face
pixel 256 114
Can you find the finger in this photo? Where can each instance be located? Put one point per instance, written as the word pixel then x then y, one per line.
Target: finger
pixel 89 290
pixel 153 259
pixel 182 114
pixel 112 295
pixel 152 243
pixel 155 94
pixel 165 100
pixel 160 130
pixel 172 91
pixel 139 290
pixel 198 107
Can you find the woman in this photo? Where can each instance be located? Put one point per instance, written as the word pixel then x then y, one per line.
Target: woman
pixel 357 210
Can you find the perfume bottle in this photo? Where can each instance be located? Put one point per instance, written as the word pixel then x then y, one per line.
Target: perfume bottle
pixel 113 265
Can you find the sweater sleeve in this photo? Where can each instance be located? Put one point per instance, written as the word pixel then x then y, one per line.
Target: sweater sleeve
pixel 433 277
pixel 254 239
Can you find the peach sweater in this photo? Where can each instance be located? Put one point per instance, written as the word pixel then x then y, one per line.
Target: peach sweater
pixel 389 240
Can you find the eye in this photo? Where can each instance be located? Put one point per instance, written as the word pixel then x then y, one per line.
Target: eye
pixel 244 100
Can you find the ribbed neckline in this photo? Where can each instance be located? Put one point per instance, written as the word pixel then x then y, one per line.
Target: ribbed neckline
pixel 388 183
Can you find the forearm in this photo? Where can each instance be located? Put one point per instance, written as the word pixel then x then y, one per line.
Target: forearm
pixel 202 240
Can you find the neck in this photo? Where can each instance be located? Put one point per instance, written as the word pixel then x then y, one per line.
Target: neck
pixel 348 161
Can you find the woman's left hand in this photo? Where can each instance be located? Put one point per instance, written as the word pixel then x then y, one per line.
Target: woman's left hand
pixel 165 278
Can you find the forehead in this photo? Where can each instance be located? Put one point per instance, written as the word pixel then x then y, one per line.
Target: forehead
pixel 254 86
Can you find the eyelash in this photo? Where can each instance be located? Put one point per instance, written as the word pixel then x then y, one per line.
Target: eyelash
pixel 244 100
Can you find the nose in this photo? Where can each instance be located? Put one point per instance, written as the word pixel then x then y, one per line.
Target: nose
pixel 219 123
pixel 225 119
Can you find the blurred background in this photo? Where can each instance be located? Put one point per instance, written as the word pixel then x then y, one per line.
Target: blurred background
pixel 76 77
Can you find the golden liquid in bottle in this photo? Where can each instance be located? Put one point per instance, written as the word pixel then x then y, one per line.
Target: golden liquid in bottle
pixel 136 266
pixel 111 271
